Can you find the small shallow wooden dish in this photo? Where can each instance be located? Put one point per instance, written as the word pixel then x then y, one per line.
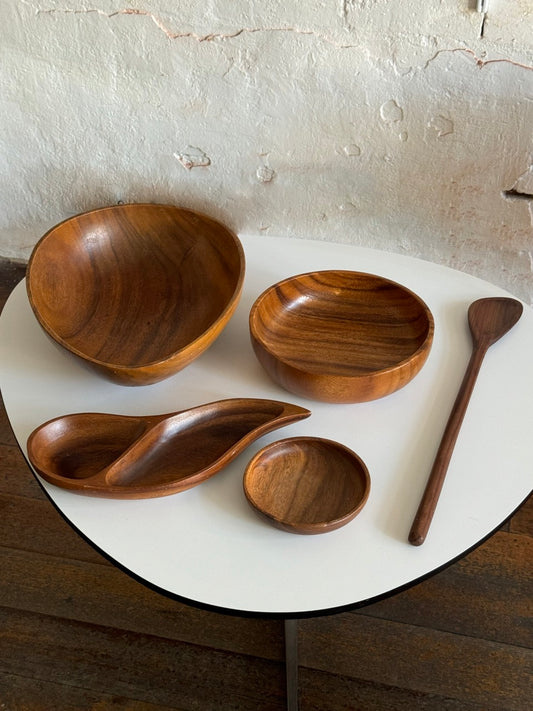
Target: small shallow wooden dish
pixel 129 457
pixel 307 484
pixel 136 291
pixel 341 336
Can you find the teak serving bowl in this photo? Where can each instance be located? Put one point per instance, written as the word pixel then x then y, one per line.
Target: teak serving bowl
pixel 136 291
pixel 341 336
pixel 307 484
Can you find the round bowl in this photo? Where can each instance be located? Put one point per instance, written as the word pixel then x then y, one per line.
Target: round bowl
pixel 307 484
pixel 340 336
pixel 136 291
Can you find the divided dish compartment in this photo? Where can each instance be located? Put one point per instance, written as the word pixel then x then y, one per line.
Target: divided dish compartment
pixel 122 456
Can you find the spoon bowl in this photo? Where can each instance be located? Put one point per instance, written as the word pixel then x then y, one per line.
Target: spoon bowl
pixel 307 484
pixel 489 319
pixel 128 457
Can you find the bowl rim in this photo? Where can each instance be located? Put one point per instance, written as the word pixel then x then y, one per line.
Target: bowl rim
pixel 117 367
pixel 422 348
pixel 324 526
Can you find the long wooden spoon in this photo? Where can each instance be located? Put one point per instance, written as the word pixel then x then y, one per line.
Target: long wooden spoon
pixel 488 319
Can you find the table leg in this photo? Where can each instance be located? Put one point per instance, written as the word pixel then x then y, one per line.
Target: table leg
pixel 291 663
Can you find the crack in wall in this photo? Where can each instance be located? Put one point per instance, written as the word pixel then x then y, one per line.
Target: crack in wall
pixel 345 6
pixel 209 37
pixel 514 194
pixel 522 190
pixel 480 62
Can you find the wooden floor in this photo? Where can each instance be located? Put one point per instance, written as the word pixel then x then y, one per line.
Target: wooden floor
pixel 76 634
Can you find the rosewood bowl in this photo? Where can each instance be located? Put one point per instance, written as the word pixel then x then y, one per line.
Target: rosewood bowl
pixel 340 336
pixel 307 484
pixel 136 291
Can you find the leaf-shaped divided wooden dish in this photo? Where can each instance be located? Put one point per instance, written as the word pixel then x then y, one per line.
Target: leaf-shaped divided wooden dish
pixel 136 291
pixel 341 336
pixel 307 484
pixel 128 457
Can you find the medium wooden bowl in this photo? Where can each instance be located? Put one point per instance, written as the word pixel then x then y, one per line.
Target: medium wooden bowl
pixel 136 291
pixel 307 484
pixel 341 336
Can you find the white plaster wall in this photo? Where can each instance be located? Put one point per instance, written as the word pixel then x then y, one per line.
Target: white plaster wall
pixel 398 125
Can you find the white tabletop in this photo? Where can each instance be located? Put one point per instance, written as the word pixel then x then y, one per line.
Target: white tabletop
pixel 206 545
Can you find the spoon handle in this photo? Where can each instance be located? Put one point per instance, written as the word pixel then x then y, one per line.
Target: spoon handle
pixel 427 506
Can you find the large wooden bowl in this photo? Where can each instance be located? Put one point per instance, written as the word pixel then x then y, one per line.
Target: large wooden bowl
pixel 136 291
pixel 341 336
pixel 307 484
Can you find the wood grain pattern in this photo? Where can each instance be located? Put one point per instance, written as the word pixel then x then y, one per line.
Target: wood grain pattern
pixel 307 484
pixel 148 668
pixel 374 650
pixel 489 319
pixel 133 457
pixel 324 691
pixel 474 597
pixel 20 693
pixel 341 336
pixel 22 516
pixel 136 291
pixel 522 521
pixel 159 615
